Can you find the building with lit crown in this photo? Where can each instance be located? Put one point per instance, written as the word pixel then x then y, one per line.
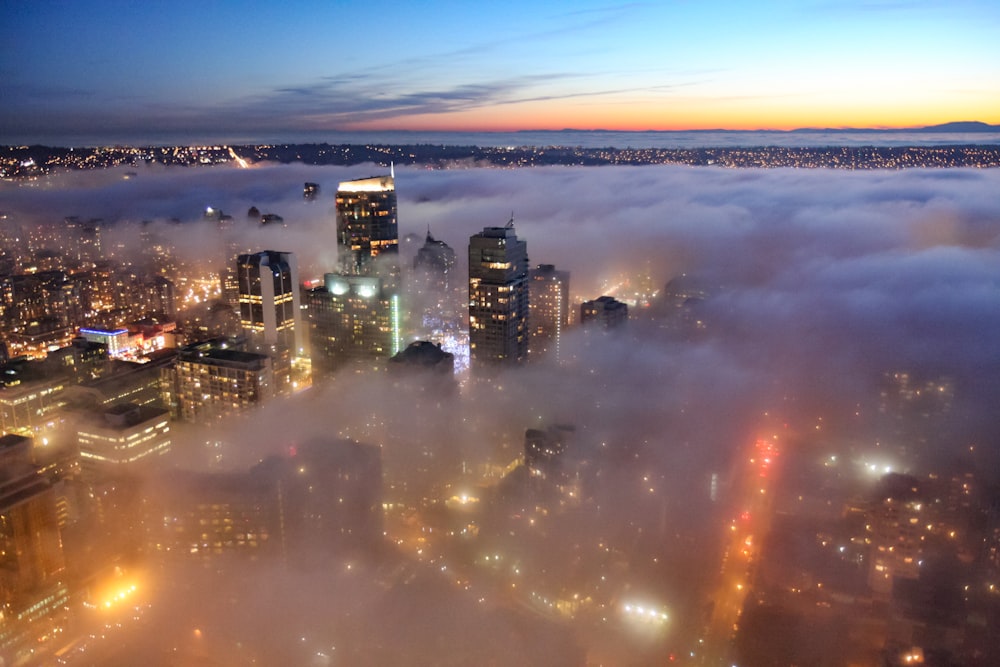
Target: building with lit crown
pixel 367 226
pixel 498 298
pixel 352 320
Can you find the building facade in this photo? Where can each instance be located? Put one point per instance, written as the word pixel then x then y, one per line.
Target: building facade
pixel 367 227
pixel 269 299
pixel 498 298
pixel 549 312
pixel 209 382
pixel 352 320
pixel 270 310
pixel 123 434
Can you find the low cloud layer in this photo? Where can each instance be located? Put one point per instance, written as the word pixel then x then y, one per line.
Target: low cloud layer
pixel 818 284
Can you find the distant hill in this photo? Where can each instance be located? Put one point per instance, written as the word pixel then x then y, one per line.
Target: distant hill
pixel 961 126
pixel 958 126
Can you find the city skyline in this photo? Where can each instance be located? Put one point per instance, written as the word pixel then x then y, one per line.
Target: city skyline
pixel 201 71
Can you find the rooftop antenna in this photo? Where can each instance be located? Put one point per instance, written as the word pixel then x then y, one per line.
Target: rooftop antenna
pixel 510 223
pixel 392 170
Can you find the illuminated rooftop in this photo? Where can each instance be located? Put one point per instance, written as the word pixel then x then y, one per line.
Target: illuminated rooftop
pixel 371 184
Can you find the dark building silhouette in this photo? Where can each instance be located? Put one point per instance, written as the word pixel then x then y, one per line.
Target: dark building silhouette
pixel 604 312
pixel 435 262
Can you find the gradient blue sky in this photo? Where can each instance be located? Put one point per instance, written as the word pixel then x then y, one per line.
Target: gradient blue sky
pixel 203 68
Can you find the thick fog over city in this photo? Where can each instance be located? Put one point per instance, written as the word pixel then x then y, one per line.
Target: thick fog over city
pixel 715 478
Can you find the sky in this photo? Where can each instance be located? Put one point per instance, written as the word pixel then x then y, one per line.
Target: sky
pixel 204 69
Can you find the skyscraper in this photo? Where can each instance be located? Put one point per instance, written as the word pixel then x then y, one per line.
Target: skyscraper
pixel 352 319
pixel 270 310
pixel 498 297
pixel 434 263
pixel 549 313
pixel 367 227
pixel 269 299
pixel 31 550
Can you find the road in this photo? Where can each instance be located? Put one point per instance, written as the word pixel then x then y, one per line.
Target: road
pixel 754 484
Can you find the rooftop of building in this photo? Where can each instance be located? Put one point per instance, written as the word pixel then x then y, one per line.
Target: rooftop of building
pixel 121 416
pixel 422 353
pixel 370 184
pixel 223 356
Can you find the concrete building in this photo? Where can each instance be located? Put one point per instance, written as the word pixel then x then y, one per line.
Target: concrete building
pixel 32 590
pixel 123 434
pixel 210 381
pixel 435 263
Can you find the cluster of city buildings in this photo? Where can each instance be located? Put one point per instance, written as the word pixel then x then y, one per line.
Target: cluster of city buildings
pixel 34 161
pixel 107 350
pixel 110 355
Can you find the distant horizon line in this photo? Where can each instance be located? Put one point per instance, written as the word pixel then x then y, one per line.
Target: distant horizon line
pixel 175 137
pixel 952 126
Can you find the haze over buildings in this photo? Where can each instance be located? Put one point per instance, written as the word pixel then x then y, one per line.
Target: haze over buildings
pixel 256 410
pixel 793 337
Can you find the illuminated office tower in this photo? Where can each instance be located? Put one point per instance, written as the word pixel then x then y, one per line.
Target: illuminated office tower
pixel 269 298
pixel 367 228
pixel 270 309
pixel 352 319
pixel 31 551
pixel 498 297
pixel 549 312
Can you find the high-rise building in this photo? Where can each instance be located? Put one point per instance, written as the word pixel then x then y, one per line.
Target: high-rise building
pixel 604 312
pixel 896 531
pixel 498 297
pixel 549 313
pixel 209 381
pixel 31 549
pixel 270 311
pixel 367 227
pixel 269 299
pixel 352 319
pixel 434 262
